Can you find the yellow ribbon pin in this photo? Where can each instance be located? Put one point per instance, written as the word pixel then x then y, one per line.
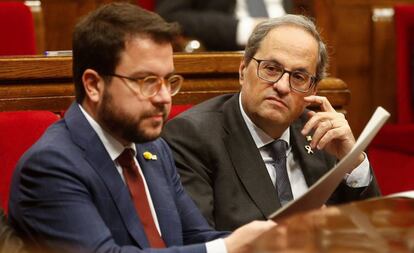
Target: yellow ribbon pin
pixel 148 156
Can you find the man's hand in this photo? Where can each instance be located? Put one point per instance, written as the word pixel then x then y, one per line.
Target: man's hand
pixel 331 130
pixel 243 239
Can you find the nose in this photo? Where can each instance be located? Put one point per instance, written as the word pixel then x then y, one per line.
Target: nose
pixel 283 84
pixel 163 96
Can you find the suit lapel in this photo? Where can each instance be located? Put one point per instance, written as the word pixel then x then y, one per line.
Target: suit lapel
pixel 84 135
pixel 247 161
pixel 313 165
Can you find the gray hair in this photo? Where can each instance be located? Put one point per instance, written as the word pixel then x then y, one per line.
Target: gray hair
pixel 263 28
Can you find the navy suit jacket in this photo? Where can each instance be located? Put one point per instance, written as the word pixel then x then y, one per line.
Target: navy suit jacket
pixel 67 195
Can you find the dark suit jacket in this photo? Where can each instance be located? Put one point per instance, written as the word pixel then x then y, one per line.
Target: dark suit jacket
pixel 67 195
pixel 223 171
pixel 211 21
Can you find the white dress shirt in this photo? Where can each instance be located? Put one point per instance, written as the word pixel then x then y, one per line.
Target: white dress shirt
pixel 360 176
pixel 114 149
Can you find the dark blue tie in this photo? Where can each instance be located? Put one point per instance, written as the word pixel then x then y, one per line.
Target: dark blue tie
pixel 278 153
pixel 256 8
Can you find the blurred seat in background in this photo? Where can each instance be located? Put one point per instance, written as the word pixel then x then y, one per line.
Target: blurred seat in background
pixel 392 151
pixel 16 29
pixel 18 131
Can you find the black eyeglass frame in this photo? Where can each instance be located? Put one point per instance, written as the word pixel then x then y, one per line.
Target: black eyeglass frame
pixel 140 81
pixel 312 83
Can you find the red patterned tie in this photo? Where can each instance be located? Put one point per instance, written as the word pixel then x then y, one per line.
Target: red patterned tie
pixel 137 190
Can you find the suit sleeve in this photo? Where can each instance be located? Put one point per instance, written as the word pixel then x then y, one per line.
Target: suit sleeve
pixel 216 29
pixel 191 158
pixel 345 193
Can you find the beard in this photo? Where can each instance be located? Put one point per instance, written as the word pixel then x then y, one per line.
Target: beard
pixel 129 126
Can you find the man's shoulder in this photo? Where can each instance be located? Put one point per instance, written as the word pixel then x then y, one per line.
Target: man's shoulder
pixel 55 140
pixel 213 107
pixel 202 123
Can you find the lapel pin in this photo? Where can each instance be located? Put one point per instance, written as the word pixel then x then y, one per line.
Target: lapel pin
pixel 149 156
pixel 309 149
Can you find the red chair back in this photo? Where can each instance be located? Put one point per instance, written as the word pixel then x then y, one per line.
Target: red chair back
pixel 18 131
pixel 16 29
pixel 177 109
pixel 404 27
pixel 391 153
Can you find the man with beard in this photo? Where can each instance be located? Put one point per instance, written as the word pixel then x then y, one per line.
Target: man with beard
pixel 100 179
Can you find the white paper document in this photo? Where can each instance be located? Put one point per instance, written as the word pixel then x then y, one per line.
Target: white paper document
pixel 406 194
pixel 319 193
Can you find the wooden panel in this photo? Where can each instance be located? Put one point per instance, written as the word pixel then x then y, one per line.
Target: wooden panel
pixel 383 61
pixel 37 13
pixel 41 82
pixel 60 18
pixel 350 54
pixel 361 43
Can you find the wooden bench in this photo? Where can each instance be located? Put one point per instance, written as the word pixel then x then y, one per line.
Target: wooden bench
pixel 45 83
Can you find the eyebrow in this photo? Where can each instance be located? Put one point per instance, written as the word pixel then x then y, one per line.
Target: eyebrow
pixel 303 70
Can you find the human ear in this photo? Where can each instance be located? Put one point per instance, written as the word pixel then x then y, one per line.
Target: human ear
pixel 92 83
pixel 242 69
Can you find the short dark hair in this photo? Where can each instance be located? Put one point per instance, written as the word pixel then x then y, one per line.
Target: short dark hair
pixel 263 28
pixel 99 38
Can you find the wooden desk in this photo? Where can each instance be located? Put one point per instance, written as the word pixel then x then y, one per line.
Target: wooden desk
pixel 370 226
pixel 45 83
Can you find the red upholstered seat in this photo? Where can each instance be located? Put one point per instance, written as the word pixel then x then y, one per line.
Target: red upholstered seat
pixel 177 109
pixel 18 131
pixel 392 151
pixel 16 29
pixel 392 157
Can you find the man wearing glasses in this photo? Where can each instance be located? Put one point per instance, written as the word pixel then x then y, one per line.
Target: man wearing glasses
pixel 100 179
pixel 245 155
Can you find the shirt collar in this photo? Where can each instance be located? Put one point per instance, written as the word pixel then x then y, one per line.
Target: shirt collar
pixel 261 138
pixel 112 146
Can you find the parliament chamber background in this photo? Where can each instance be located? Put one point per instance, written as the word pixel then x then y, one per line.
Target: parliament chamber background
pixel 371 51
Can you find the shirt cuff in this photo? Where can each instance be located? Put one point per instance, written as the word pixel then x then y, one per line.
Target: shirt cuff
pixel 216 246
pixel 360 176
pixel 244 29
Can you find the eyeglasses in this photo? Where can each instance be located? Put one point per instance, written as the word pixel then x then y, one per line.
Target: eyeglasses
pixel 149 86
pixel 271 71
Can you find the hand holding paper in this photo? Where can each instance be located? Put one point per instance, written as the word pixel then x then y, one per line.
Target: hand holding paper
pixel 318 193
